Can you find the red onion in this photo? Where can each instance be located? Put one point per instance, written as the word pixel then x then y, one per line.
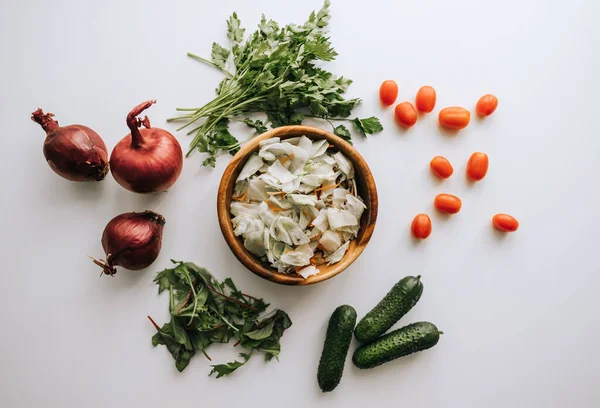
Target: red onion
pixel 74 152
pixel 146 160
pixel 131 240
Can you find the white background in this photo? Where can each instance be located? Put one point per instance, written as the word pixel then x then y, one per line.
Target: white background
pixel 519 311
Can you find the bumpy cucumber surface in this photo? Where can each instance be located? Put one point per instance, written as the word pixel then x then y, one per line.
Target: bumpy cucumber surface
pixel 399 300
pixel 402 342
pixel 337 342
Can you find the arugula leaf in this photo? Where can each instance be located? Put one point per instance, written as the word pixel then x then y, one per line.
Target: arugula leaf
pixel 343 132
pixel 367 126
pixel 205 311
pixel 275 73
pixel 257 125
pixel 226 369
pixel 219 55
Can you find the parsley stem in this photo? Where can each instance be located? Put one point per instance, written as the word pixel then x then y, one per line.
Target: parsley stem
pixel 308 115
pixel 198 58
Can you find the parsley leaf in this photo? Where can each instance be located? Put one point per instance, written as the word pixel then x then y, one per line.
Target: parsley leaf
pixel 223 139
pixel 234 31
pixel 219 55
pixel 367 126
pixel 343 132
pixel 205 311
pixel 276 72
pixel 257 125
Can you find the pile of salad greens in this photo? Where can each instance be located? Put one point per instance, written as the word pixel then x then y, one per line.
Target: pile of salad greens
pixel 272 72
pixel 205 311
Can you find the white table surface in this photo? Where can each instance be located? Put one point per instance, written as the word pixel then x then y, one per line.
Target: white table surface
pixel 519 312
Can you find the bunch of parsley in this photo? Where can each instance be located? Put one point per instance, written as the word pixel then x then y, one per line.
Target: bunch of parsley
pixel 272 72
pixel 205 311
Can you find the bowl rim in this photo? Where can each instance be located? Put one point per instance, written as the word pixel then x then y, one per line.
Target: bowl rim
pixel 226 188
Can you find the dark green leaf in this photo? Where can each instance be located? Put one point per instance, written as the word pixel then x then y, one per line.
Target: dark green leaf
pixel 164 279
pixel 270 353
pixel 261 333
pixel 343 132
pixel 184 359
pixel 180 334
pixel 296 118
pixel 318 109
pixel 226 369
pixel 223 139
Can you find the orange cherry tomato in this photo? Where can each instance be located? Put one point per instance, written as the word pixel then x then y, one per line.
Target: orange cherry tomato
pixel 486 105
pixel 406 114
pixel 425 100
pixel 421 226
pixel 388 92
pixel 447 203
pixel 477 166
pixel 441 167
pixel 505 222
pixel 454 117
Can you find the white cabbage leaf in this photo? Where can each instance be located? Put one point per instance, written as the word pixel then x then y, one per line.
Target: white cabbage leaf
pixel 340 218
pixel 295 258
pixel 338 254
pixel 338 197
pixel 322 221
pixel 344 164
pixel 253 164
pixel 355 206
pixel 257 190
pixel 269 141
pixel 330 240
pixel 308 271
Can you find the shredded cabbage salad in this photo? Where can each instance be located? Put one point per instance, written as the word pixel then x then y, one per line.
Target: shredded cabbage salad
pixel 296 205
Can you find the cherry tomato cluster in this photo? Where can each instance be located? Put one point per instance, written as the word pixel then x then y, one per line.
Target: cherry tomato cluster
pixel 454 118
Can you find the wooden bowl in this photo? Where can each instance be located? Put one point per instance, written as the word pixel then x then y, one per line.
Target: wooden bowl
pixel 366 189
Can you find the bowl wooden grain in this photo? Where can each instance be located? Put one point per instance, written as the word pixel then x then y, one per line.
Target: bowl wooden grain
pixel 365 185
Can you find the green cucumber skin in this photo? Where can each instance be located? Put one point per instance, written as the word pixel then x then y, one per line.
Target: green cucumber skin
pixel 398 343
pixel 335 349
pixel 398 301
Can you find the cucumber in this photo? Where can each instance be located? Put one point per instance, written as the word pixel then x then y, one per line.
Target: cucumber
pixel 401 342
pixel 335 349
pixel 399 300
